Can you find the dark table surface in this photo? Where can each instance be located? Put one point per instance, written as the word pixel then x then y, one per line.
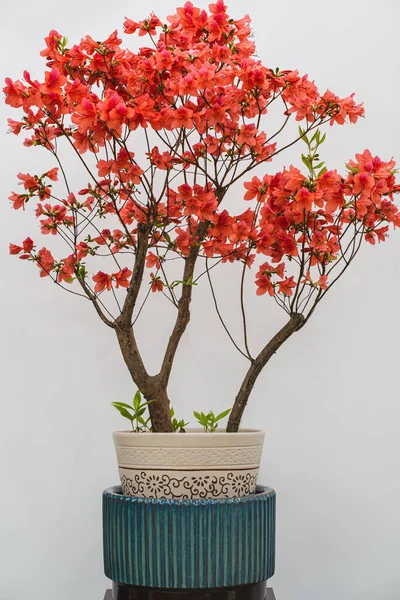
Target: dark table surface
pixel 270 595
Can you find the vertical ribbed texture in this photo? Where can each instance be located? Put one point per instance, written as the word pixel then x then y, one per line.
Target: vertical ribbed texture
pixel 189 543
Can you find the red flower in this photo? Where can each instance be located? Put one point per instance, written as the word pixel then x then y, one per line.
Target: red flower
pixel 85 116
pixel 14 93
pixel 247 135
pixel 182 117
pixel 67 271
pixel 53 82
pixel 103 281
pixel 323 282
pixel 122 278
pixel 45 262
pixel 286 286
pixel 263 283
pixel 52 174
pixel 15 126
pixel 18 200
pixel 27 245
pixel 256 188
pixel 152 261
pixel 14 249
pixel 156 283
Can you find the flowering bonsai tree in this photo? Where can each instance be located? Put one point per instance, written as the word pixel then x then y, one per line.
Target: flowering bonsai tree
pixel 196 101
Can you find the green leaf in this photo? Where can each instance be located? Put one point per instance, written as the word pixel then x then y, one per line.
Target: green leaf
pixel 306 161
pixel 125 413
pixel 223 414
pixel 190 281
pixel 322 172
pixel 117 404
pixel 303 136
pixel 353 169
pixel 197 415
pixel 146 403
pixel 137 400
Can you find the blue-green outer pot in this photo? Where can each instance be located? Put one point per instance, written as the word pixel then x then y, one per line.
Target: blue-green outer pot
pixel 189 544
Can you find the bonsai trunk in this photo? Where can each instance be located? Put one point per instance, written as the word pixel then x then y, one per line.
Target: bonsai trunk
pixel 152 386
pixel 257 366
pixel 159 409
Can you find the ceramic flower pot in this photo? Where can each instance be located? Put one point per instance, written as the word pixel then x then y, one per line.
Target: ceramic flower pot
pixel 189 465
pixel 163 549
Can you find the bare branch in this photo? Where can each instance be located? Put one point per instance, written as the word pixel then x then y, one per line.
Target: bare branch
pixel 220 316
pixel 257 366
pixel 137 275
pixel 183 316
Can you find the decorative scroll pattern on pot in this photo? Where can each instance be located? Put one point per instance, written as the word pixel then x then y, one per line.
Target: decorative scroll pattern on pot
pixel 160 484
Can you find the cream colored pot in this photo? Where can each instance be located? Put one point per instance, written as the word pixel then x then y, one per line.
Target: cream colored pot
pixel 189 465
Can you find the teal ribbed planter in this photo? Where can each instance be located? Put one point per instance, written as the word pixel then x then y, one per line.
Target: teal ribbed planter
pixel 189 544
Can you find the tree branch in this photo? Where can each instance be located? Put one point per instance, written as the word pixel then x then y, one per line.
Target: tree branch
pixel 92 297
pixel 257 366
pixel 183 316
pixel 132 357
pixel 137 275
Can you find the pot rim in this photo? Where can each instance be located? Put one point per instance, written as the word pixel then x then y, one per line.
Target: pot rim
pixel 193 437
pixel 193 430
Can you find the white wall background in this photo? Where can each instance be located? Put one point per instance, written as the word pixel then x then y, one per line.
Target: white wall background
pixel 328 400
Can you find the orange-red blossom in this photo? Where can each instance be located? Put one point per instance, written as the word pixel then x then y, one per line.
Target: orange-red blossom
pixel 202 94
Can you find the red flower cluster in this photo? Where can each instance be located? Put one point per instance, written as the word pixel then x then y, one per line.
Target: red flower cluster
pixel 198 98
